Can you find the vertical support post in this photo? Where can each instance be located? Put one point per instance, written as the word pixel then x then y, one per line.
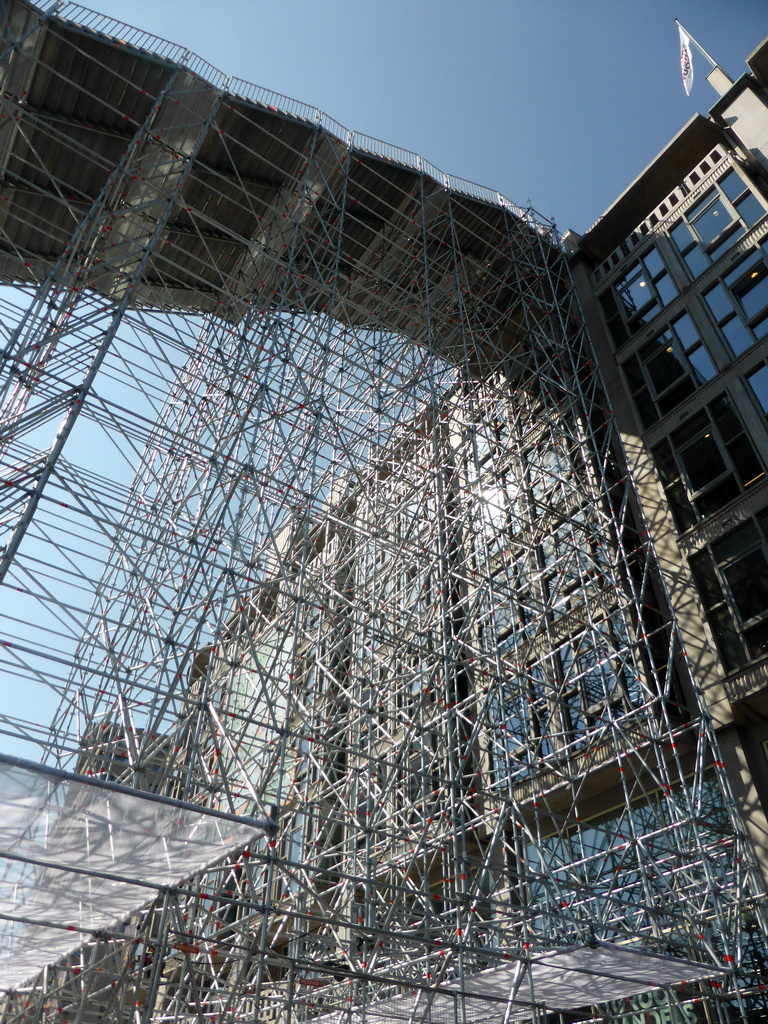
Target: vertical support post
pixel 49 368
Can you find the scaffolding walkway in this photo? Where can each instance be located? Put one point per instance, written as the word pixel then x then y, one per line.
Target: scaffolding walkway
pixel 311 500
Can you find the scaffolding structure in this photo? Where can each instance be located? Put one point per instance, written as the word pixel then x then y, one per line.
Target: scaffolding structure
pixel 311 502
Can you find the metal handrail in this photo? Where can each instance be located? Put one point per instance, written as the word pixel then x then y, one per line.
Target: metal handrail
pixel 123 34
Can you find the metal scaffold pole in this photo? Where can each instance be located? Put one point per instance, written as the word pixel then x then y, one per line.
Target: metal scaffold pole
pixel 315 516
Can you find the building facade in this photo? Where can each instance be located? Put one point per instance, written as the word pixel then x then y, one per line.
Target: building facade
pixel 674 284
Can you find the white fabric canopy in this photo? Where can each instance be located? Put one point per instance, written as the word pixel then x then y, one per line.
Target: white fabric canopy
pixel 78 857
pixel 569 978
pixel 565 979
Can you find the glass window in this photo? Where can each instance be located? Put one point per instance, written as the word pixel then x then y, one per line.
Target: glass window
pixel 731 576
pixel 740 303
pixel 750 209
pixel 654 263
pixel 674 396
pixel 714 498
pixel 693 428
pixel 733 185
pixel 701 364
pixel 757 639
pixel 729 642
pixel 747 580
pixel 646 406
pixel 613 319
pixel 719 302
pixel 702 461
pixel 738 336
pixel 706 579
pixel 706 463
pixel 686 331
pixel 716 221
pixel 745 462
pixel 668 369
pixel 696 261
pixel 758 381
pixel 752 292
pixel 760 327
pixel 725 417
pixel 635 377
pixel 688 335
pixel 709 219
pixel 681 235
pixel 666 289
pixel 752 260
pixel 633 291
pixel 644 289
pixel 664 366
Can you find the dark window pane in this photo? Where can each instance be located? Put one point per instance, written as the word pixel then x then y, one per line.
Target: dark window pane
pixel 702 365
pixel 702 205
pixel 706 580
pixel 646 407
pixel 703 462
pixel 696 261
pixel 698 424
pixel 681 508
pixel 750 209
pixel 737 335
pixel 718 301
pixel 711 222
pixel 674 397
pixel 619 333
pixel 760 329
pixel 736 543
pixel 727 638
pixel 717 496
pixel 726 241
pixel 664 368
pixel 665 462
pixel 614 321
pixel 608 302
pixel 634 375
pixel 745 461
pixel 751 260
pixel 753 293
pixel 653 262
pixel 666 289
pixel 732 184
pixel 748 582
pixel 644 317
pixel 757 640
pixel 758 381
pixel 632 291
pixel 686 331
pixel 681 235
pixel 726 419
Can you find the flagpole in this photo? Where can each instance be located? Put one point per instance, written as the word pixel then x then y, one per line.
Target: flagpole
pixel 698 45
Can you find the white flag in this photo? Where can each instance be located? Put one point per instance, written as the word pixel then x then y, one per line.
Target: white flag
pixel 686 61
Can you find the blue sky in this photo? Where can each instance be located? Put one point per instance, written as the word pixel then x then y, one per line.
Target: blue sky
pixel 560 102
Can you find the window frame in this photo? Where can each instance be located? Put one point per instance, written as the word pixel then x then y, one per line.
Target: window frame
pixel 698 254
pixel 690 503
pixel 633 316
pixel 724 299
pixel 652 400
pixel 737 635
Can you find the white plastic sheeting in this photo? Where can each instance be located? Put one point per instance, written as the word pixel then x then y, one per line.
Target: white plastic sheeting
pixel 583 976
pixel 76 858
pixel 561 980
